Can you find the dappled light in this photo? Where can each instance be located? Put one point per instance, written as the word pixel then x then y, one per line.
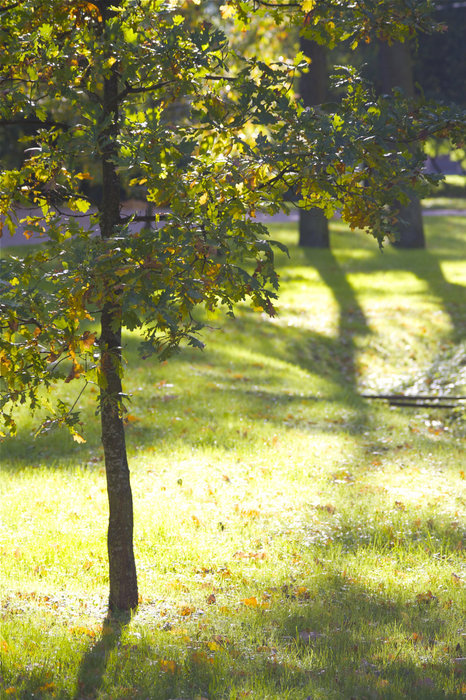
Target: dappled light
pixel 292 538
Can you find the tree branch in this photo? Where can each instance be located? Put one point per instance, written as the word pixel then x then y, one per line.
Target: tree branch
pixel 34 122
pixel 130 89
pixel 277 4
pixel 6 8
pixel 142 218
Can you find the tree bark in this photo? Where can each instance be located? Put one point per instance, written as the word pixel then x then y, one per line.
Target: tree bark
pixel 396 71
pixel 122 568
pixel 313 85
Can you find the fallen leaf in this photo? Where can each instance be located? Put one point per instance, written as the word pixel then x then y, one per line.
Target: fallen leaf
pixel 307 637
pixel 167 666
pixel 426 597
pixel 250 602
pixel 186 611
pixel 130 418
pixel 211 599
pixel 47 687
pixel 303 592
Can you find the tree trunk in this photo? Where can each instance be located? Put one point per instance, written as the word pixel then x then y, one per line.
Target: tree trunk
pixel 313 228
pixel 395 70
pixel 122 568
pixel 313 224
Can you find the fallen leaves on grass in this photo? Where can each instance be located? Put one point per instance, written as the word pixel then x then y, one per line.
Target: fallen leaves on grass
pixel 250 555
pixel 168 665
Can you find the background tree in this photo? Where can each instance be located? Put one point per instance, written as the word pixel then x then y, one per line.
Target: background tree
pixel 97 83
pixel 313 89
pixel 396 72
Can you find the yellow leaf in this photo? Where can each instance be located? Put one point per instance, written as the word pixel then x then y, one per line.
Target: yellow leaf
pixel 203 198
pixel 250 602
pixel 80 205
pixel 308 5
pixel 227 11
pixel 78 438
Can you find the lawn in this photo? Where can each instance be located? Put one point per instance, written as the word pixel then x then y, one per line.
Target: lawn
pixel 293 539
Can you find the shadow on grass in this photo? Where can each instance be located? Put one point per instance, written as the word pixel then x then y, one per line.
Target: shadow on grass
pixel 333 637
pixel 352 321
pixel 296 349
pixel 94 663
pixel 332 360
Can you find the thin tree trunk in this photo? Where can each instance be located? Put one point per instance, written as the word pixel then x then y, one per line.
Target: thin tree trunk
pixel 122 568
pixel 395 70
pixel 313 224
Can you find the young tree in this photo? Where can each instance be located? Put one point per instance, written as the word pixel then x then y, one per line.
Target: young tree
pixel 98 82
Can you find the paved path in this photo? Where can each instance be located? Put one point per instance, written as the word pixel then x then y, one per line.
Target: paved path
pixel 140 208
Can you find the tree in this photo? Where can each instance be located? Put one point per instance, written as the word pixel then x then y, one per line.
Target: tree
pixel 313 87
pixel 97 82
pixel 396 72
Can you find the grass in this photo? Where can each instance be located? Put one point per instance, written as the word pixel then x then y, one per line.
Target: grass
pixel 293 539
pixel 450 194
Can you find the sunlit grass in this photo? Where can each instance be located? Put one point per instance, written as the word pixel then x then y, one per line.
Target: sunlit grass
pixel 293 539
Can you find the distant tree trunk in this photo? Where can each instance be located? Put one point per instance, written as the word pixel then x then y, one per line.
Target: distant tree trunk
pixel 313 86
pixel 122 568
pixel 395 70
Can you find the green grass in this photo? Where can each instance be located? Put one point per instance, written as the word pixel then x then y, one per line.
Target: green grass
pixel 293 539
pixel 449 194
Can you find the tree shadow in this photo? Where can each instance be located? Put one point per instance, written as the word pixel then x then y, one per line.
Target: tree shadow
pixel 450 294
pixel 352 321
pixel 94 662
